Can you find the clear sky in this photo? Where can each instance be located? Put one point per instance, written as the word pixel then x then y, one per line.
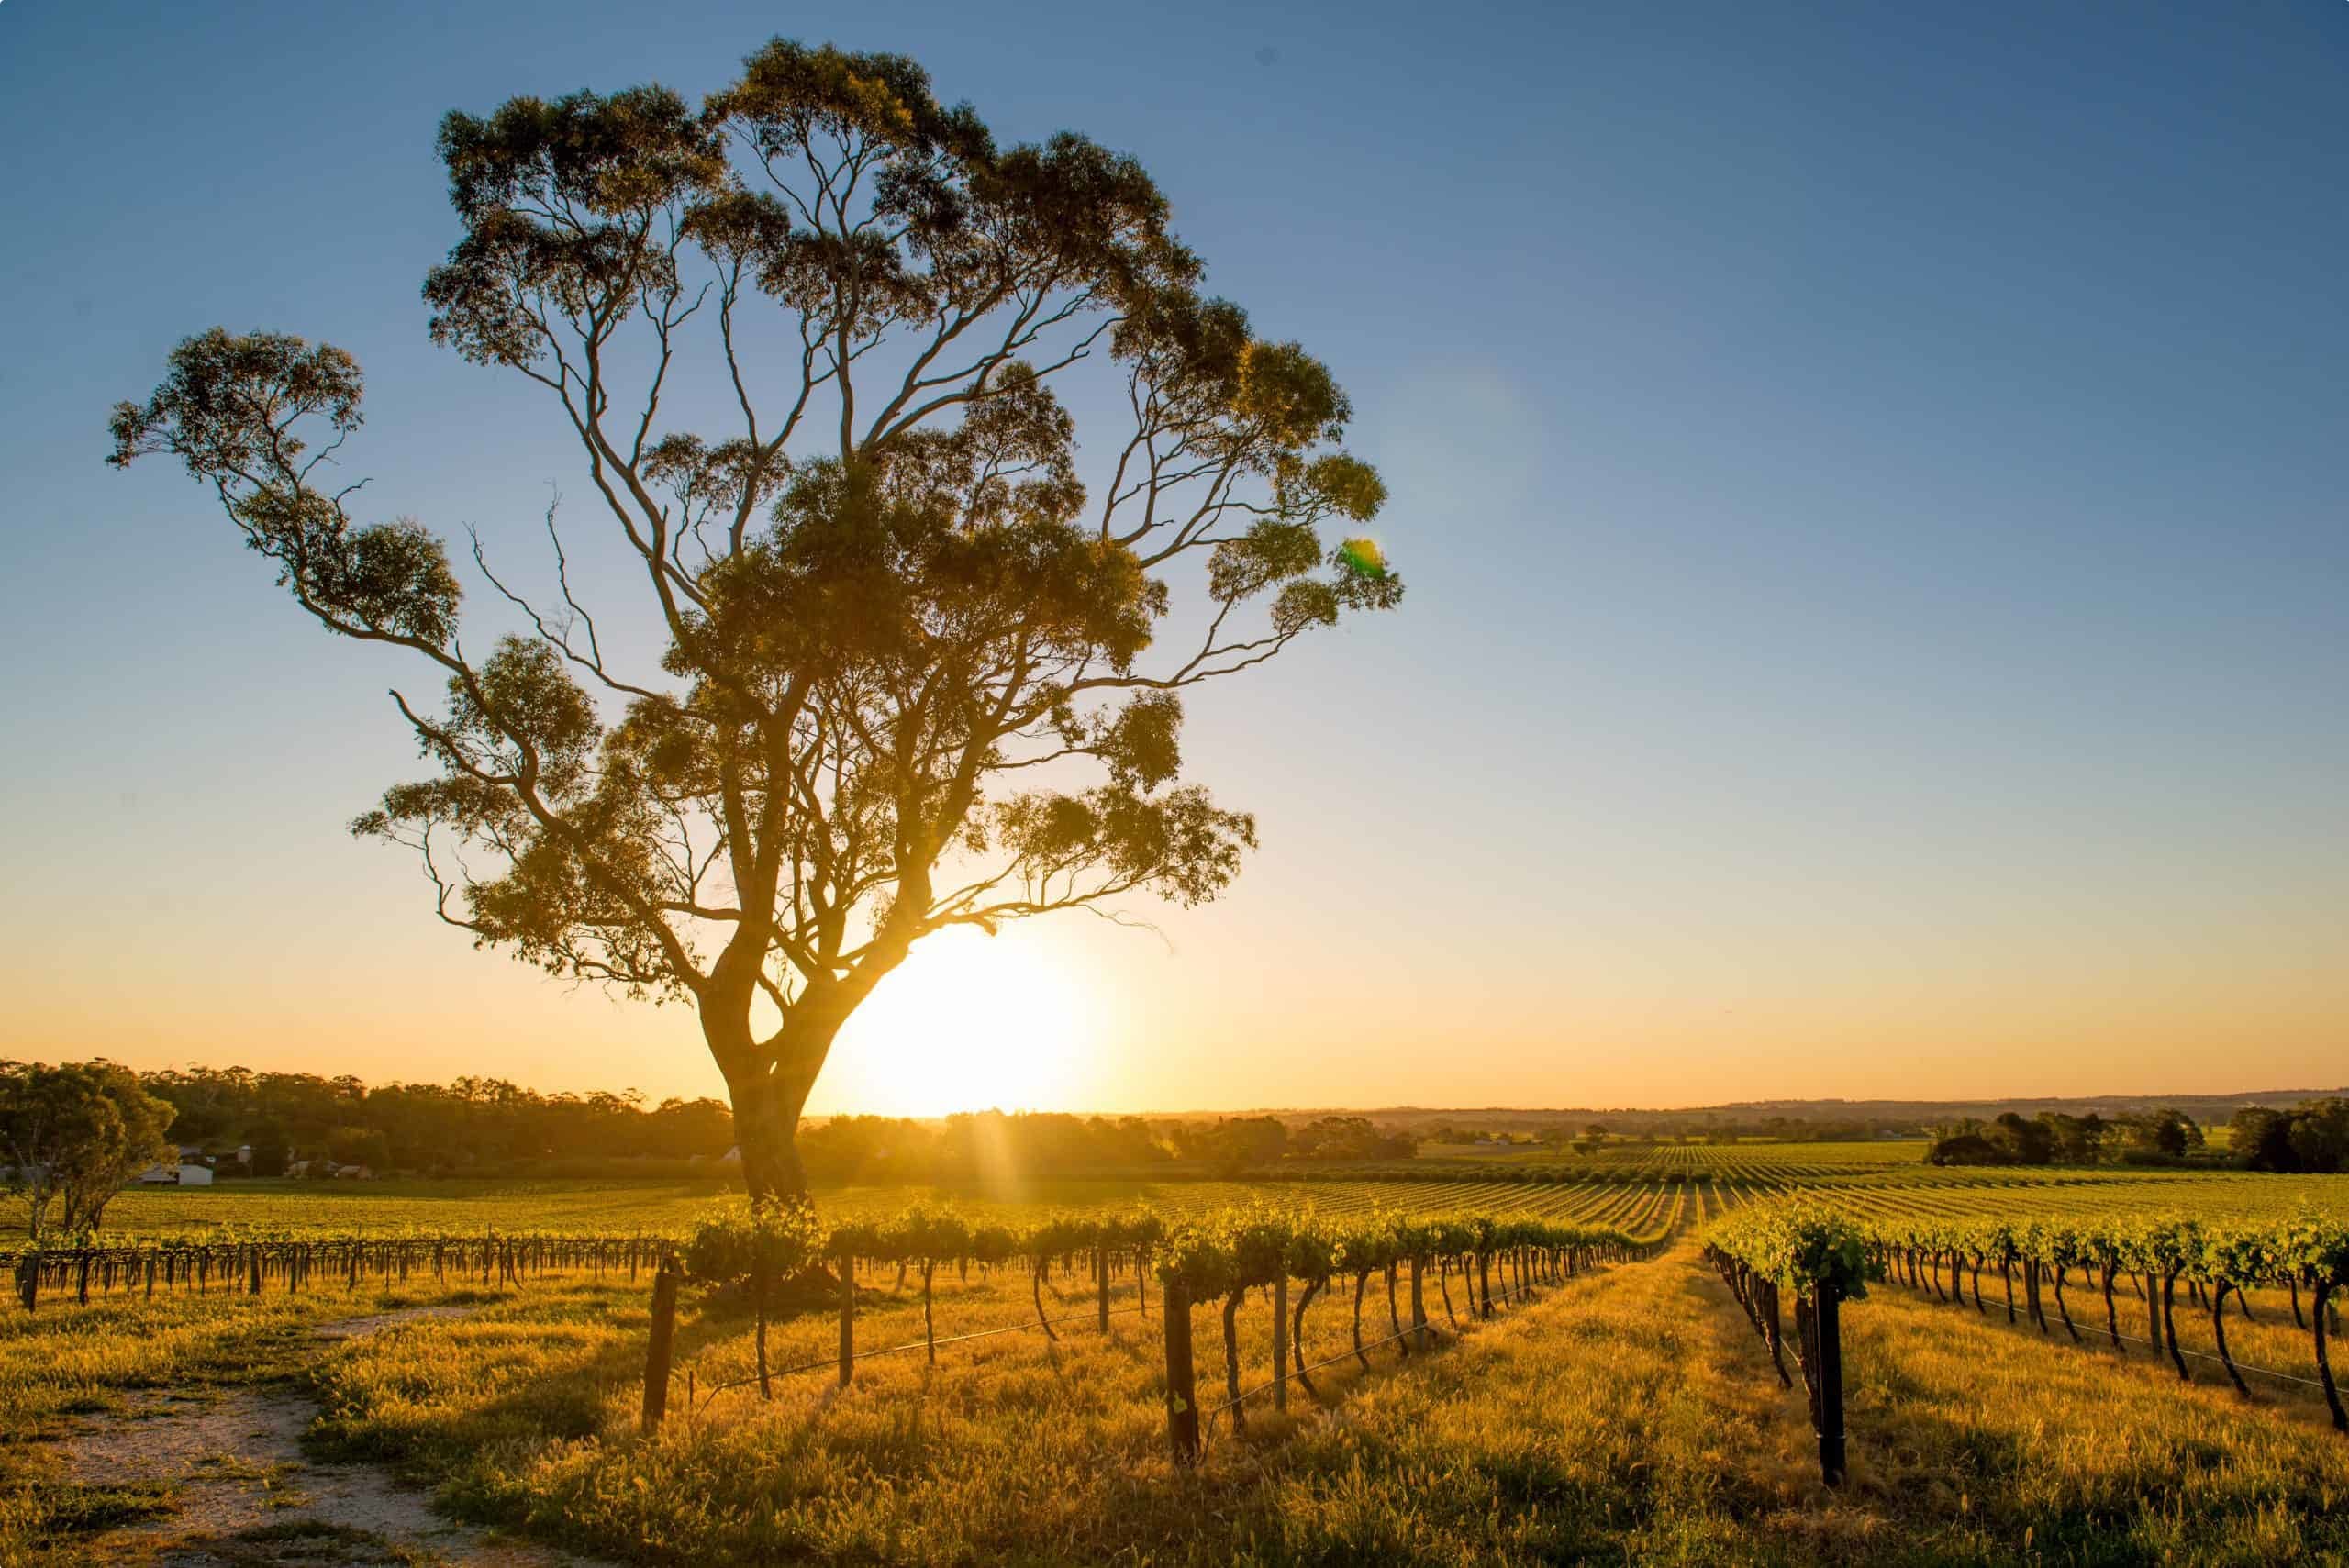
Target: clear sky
pixel 1870 481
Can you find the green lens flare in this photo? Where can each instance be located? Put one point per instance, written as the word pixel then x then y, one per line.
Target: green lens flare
pixel 1363 559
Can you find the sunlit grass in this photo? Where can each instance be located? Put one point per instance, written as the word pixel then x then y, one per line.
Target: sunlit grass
pixel 1627 1416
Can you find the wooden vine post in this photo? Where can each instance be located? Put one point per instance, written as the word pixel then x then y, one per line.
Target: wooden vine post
pixel 1420 1331
pixel 1182 1389
pixel 847 1319
pixel 656 1354
pixel 1280 1342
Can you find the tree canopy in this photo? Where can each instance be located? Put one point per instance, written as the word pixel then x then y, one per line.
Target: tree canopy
pixel 919 667
pixel 73 1135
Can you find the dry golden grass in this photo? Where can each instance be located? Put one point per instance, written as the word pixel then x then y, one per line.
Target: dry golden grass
pixel 1626 1417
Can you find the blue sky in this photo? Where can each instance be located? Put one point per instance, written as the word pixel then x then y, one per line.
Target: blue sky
pixel 1871 482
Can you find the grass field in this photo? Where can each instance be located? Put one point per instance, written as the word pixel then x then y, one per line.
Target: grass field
pixel 1628 1416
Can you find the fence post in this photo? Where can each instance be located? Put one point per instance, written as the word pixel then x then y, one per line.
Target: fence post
pixel 1101 1284
pixel 656 1353
pixel 1280 1342
pixel 1831 1388
pixel 848 1320
pixel 1182 1389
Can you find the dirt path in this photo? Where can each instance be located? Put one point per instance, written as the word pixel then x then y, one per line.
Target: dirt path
pixel 246 1497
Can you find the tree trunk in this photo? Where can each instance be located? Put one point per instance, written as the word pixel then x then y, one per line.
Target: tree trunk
pixel 768 1082
pixel 1394 1316
pixel 1360 1280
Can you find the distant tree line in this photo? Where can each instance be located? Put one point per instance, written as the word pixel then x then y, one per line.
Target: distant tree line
pixel 2312 1136
pixel 1669 1128
pixel 478 1125
pixel 80 1132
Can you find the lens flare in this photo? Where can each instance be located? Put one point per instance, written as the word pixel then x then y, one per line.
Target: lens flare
pixel 1363 559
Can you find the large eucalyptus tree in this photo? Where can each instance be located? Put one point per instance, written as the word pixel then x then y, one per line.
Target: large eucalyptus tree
pixel 881 592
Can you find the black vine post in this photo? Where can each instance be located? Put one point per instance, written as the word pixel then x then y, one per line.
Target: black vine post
pixel 1182 1392
pixel 1101 1284
pixel 1830 1331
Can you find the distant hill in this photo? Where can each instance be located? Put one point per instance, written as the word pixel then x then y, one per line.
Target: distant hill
pixel 1918 1115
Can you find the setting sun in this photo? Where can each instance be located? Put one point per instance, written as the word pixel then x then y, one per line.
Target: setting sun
pixel 970 1021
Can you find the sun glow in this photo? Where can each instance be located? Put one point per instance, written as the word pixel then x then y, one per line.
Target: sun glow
pixel 968 1022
